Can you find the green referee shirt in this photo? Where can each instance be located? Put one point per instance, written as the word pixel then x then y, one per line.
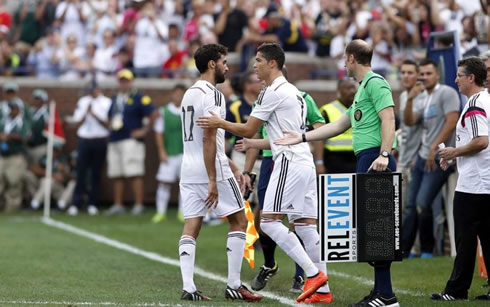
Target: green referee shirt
pixel 313 116
pixel 372 96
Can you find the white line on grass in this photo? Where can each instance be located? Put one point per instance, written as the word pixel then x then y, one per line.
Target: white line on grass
pixel 151 256
pixel 369 282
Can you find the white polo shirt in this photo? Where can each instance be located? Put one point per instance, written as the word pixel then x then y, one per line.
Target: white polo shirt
pixel 282 107
pixel 91 128
pixel 474 170
pixel 199 100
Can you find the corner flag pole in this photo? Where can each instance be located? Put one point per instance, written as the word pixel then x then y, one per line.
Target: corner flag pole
pixel 49 161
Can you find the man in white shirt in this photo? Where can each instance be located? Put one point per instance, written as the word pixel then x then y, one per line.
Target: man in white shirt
pixel 207 177
pixel 292 187
pixel 91 116
pixel 472 195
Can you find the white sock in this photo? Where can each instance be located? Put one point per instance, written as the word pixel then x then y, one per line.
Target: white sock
pixel 235 247
pixel 309 235
pixel 163 195
pixel 289 243
pixel 187 252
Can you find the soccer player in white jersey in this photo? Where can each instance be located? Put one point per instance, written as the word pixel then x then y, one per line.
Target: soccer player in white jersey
pixel 207 177
pixel 292 187
pixel 472 196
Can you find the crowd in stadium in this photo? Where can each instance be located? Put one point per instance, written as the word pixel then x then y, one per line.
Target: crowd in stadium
pixel 156 38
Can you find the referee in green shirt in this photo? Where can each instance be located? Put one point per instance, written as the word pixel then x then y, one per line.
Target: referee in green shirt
pixel 372 119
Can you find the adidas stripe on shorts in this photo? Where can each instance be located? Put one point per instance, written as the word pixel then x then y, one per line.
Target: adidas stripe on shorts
pixel 291 190
pixel 194 195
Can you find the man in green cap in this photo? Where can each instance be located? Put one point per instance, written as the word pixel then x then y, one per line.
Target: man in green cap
pixel 36 144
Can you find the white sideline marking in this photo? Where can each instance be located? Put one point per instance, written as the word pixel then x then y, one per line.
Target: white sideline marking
pixel 151 256
pixel 369 282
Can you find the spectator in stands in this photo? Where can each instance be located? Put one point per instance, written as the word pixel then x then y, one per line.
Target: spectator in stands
pixel 87 63
pixel 13 134
pixel 27 19
pixel 486 58
pixel 91 117
pixel 5 20
pixel 176 60
pixel 150 50
pixel 131 17
pixel 381 43
pixel 9 60
pixel 438 116
pixel 71 56
pixel 338 156
pixel 174 34
pixel 45 56
pixel 190 63
pixel 332 21
pixel 36 143
pixel 126 151
pixel 230 24
pixel 168 138
pixel 104 19
pixel 280 30
pixel 60 177
pixel 46 14
pixel 71 16
pixel 199 22
pixel 105 59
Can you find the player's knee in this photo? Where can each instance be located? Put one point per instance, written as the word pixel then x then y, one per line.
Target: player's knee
pixel 238 221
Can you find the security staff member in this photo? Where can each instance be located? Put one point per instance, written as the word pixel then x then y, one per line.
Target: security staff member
pixel 339 155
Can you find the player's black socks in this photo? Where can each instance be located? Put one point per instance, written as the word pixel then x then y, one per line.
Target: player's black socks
pixel 268 248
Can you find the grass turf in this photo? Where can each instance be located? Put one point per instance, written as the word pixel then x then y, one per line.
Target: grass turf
pixel 39 263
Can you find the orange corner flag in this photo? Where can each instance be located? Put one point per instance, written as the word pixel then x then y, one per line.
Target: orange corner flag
pixel 252 236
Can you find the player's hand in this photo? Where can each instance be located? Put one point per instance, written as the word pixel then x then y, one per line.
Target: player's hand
pixel 213 121
pixel 320 169
pixel 240 178
pixel 163 157
pixel 448 153
pixel 212 199
pixel 430 163
pixel 243 145
pixel 380 164
pixel 248 182
pixel 290 138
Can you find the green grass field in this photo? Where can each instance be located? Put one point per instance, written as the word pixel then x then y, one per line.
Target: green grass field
pixel 44 265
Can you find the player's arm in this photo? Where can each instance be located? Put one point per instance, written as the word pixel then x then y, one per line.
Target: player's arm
pixel 246 130
pixel 250 158
pixel 387 117
pixel 318 152
pixel 322 133
pixel 209 154
pixel 160 139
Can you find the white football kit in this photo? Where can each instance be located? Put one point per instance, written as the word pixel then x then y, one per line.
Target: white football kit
pixel 292 187
pixel 200 100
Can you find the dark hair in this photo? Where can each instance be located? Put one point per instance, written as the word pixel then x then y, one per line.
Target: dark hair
pixel 428 61
pixel 245 78
pixel 180 86
pixel 474 66
pixel 362 52
pixel 273 51
pixel 206 53
pixel 410 62
pixel 344 81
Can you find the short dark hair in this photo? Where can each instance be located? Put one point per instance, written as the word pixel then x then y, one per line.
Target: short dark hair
pixel 273 51
pixel 428 61
pixel 411 62
pixel 474 66
pixel 180 86
pixel 206 53
pixel 245 78
pixel 362 53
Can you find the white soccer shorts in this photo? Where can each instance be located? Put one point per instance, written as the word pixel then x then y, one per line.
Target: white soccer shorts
pixel 291 190
pixel 194 195
pixel 169 172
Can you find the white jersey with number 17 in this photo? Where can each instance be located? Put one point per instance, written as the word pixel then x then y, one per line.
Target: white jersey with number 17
pixel 199 100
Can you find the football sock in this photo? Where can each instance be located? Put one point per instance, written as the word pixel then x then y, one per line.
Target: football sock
pixel 163 195
pixel 289 243
pixel 235 247
pixel 299 272
pixel 268 248
pixel 309 234
pixel 187 252
pixel 383 280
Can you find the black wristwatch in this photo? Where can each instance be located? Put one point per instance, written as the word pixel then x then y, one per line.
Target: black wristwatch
pixel 246 173
pixel 384 153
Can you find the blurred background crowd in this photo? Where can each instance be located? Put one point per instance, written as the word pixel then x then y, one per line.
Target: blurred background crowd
pixel 71 39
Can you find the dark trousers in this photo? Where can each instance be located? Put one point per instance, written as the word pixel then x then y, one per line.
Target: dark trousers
pixel 471 219
pixel 423 189
pixel 339 162
pixel 382 275
pixel 91 157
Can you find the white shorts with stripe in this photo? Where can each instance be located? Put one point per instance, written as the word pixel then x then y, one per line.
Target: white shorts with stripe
pixel 194 195
pixel 169 172
pixel 291 190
